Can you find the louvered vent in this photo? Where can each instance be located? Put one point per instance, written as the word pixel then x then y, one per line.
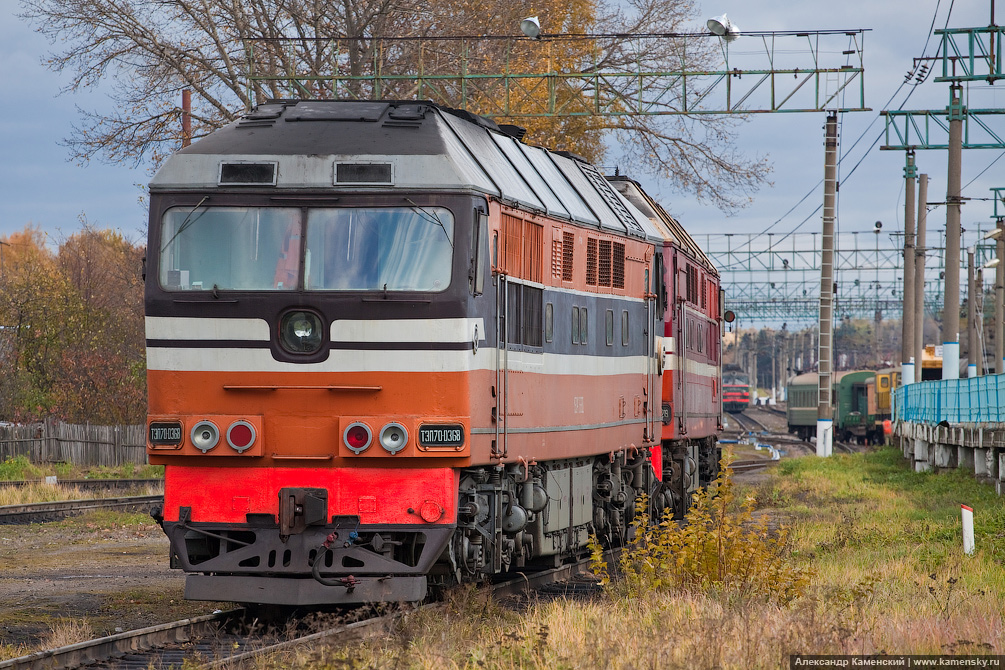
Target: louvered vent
pixel 568 242
pixel 556 259
pixel 362 173
pixel 533 252
pixel 247 174
pixel 604 269
pixel 591 261
pixel 618 263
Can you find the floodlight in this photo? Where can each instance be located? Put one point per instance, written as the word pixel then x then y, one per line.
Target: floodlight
pixel 991 263
pixel 723 27
pixel 531 27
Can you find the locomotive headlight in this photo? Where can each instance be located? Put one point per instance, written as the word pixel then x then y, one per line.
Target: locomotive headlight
pixel 240 436
pixel 357 437
pixel 205 435
pixel 393 437
pixel 300 332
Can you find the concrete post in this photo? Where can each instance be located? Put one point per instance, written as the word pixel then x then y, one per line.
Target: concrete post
pixel 951 299
pixel 973 368
pixel 825 416
pixel 1000 299
pixel 907 359
pixel 919 277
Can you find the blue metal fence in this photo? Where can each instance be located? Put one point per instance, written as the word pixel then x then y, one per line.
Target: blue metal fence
pixel 977 400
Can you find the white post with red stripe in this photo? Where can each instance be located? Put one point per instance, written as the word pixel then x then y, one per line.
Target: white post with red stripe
pixel 968 530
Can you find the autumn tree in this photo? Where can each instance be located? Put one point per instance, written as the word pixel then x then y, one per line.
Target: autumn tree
pixel 35 303
pixel 104 373
pixel 231 55
pixel 72 329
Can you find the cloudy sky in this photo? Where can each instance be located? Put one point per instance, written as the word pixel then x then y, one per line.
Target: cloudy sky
pixel 40 186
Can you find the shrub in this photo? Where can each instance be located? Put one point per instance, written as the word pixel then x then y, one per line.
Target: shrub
pixel 720 547
pixel 19 468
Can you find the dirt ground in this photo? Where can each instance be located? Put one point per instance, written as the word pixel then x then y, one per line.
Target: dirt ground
pixel 110 570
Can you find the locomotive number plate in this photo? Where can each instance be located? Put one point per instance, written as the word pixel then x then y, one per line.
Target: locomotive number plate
pixel 165 433
pixel 666 414
pixel 441 435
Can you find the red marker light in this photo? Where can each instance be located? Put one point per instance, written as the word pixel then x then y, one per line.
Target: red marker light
pixel 240 436
pixel 357 437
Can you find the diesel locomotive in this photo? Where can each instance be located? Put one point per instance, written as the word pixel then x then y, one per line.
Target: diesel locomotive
pixel 391 347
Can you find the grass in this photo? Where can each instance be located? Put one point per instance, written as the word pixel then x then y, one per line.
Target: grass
pixel 19 468
pixel 36 490
pixel 881 546
pixel 39 493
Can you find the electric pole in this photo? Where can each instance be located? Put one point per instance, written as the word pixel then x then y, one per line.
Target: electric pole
pixel 825 421
pixel 907 360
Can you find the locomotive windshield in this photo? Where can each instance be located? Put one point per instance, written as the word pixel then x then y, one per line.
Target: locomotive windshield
pixel 347 249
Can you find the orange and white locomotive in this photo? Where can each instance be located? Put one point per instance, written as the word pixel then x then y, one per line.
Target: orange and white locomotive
pixel 390 347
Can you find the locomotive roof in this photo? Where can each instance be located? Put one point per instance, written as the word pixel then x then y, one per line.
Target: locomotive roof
pixel 416 146
pixel 670 226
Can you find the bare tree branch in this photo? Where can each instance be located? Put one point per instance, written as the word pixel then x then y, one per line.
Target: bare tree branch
pixel 152 49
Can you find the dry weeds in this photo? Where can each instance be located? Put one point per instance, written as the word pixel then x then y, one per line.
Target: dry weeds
pixel 881 542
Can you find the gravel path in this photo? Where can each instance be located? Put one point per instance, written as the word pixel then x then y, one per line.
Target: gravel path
pixel 92 569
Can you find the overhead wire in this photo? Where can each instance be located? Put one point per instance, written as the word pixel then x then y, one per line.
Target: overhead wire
pixel 860 137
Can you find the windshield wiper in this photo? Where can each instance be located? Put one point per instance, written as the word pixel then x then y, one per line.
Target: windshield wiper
pixel 431 217
pixel 187 222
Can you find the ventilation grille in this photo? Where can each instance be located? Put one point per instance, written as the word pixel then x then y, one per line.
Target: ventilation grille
pixel 556 259
pixel 362 173
pixel 533 251
pixel 591 261
pixel 618 265
pixel 604 273
pixel 247 174
pixel 568 241
pixel 632 227
pixel 512 230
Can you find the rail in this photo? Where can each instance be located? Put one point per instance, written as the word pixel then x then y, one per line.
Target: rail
pixel 33 512
pixel 144 645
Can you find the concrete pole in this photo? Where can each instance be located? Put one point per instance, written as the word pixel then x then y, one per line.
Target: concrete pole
pixel 1000 299
pixel 919 277
pixel 907 359
pixel 825 412
pixel 951 300
pixel 774 368
pixel 972 346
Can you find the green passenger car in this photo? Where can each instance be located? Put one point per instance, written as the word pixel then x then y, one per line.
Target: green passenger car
pixel 853 400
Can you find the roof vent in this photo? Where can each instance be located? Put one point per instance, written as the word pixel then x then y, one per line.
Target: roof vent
pixel 363 173
pixel 516 132
pixel 247 174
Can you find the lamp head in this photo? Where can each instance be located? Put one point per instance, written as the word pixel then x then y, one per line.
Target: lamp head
pixel 723 27
pixel 531 27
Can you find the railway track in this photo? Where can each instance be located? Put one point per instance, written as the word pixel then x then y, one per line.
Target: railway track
pixel 225 639
pixel 50 511
pixel 747 422
pixel 751 465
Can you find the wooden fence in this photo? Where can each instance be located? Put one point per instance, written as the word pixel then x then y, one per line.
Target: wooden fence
pixel 55 441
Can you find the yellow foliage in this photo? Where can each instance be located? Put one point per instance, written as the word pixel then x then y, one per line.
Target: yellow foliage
pixel 721 547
